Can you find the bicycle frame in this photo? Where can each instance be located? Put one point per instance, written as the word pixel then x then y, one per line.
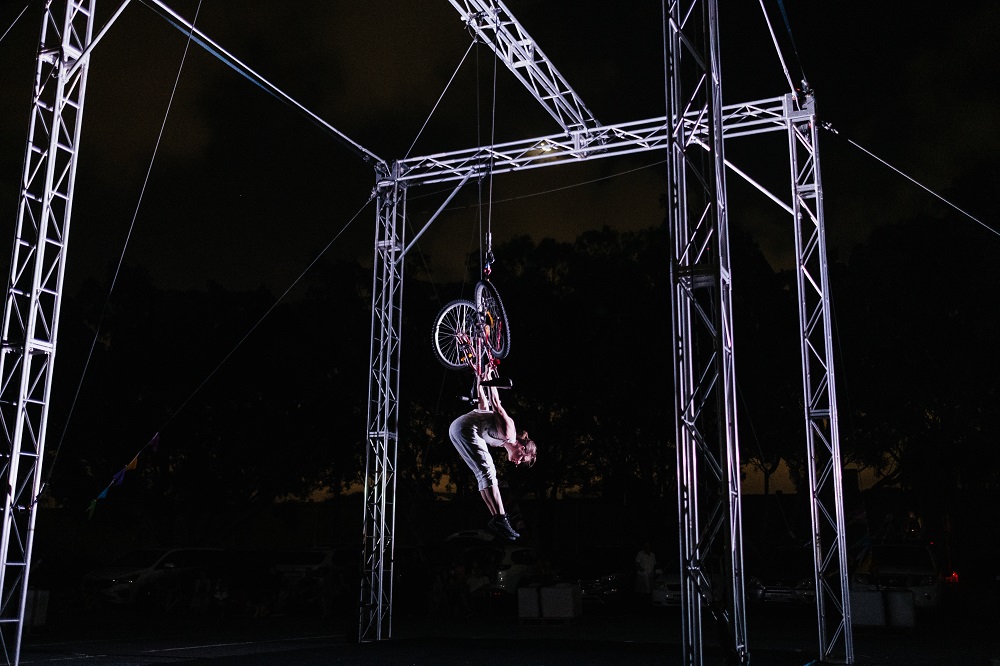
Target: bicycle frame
pixel 473 335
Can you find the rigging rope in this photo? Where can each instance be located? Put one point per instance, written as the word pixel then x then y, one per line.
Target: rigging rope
pixel 128 237
pixel 488 259
pixel 264 316
pixel 446 87
pixel 174 413
pixel 829 127
pixel 791 38
pixel 231 61
pixel 14 22
pixel 154 441
pixel 479 142
pixel 777 49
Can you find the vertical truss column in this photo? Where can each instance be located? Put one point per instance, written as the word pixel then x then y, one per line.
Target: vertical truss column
pixel 708 464
pixel 826 493
pixel 34 293
pixel 383 415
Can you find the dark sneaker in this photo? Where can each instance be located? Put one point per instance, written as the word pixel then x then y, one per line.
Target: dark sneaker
pixel 501 526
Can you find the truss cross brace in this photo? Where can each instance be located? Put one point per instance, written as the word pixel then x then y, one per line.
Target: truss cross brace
pixel 692 134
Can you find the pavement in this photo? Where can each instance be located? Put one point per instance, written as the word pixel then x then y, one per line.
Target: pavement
pixel 635 640
pixel 780 637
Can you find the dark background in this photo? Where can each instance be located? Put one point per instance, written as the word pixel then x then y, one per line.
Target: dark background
pixel 238 324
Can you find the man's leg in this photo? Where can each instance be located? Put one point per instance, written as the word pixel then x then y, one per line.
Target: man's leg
pixel 491 496
pixel 498 523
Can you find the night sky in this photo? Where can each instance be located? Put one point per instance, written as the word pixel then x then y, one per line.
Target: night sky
pixel 202 178
pixel 244 190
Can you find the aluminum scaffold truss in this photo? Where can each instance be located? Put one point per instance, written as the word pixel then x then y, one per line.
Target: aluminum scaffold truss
pixel 692 134
pixel 708 457
pixel 708 449
pixel 34 294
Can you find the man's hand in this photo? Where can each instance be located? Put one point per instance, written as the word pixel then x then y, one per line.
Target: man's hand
pixel 489 373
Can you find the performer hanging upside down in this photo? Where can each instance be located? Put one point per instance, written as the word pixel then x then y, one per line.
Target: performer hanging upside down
pixel 473 433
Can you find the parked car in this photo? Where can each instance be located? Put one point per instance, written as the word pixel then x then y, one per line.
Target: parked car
pixel 902 566
pixel 606 575
pixel 311 577
pixel 783 575
pixel 505 564
pixel 303 563
pixel 470 537
pixel 166 577
pixel 666 586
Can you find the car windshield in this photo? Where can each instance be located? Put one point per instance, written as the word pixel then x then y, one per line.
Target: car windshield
pixel 784 561
pixel 903 556
pixel 523 556
pixel 140 558
pixel 604 561
pixel 300 558
pixel 188 558
pixel 346 557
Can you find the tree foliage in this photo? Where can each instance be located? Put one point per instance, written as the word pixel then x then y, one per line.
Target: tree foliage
pixel 258 400
pixel 920 373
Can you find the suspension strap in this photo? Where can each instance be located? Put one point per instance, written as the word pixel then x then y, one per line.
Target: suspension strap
pixel 488 263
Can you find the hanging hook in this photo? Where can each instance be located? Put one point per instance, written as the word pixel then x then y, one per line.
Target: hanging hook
pixel 487 266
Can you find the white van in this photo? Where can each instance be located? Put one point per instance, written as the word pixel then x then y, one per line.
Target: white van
pixel 902 567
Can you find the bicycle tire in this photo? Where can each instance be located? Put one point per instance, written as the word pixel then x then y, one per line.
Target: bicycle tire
pixel 491 307
pixel 456 317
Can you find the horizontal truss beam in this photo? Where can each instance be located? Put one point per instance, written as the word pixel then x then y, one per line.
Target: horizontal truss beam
pixel 767 115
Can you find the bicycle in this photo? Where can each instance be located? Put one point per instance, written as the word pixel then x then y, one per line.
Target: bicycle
pixel 473 334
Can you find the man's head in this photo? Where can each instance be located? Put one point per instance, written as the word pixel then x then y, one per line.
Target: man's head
pixel 527 451
pixel 530 450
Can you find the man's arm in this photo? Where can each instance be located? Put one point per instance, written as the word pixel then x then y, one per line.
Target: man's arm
pixel 505 424
pixel 483 400
pixel 494 398
pixel 491 397
pixel 491 394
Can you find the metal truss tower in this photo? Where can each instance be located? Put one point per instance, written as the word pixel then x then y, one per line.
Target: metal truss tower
pixel 34 293
pixel 383 415
pixel 692 134
pixel 826 491
pixel 493 23
pixel 708 455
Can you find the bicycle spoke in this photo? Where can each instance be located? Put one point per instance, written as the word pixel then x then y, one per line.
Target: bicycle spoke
pixel 455 321
pixel 496 327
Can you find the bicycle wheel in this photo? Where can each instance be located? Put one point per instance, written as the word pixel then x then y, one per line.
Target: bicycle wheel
pixel 456 317
pixel 491 308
